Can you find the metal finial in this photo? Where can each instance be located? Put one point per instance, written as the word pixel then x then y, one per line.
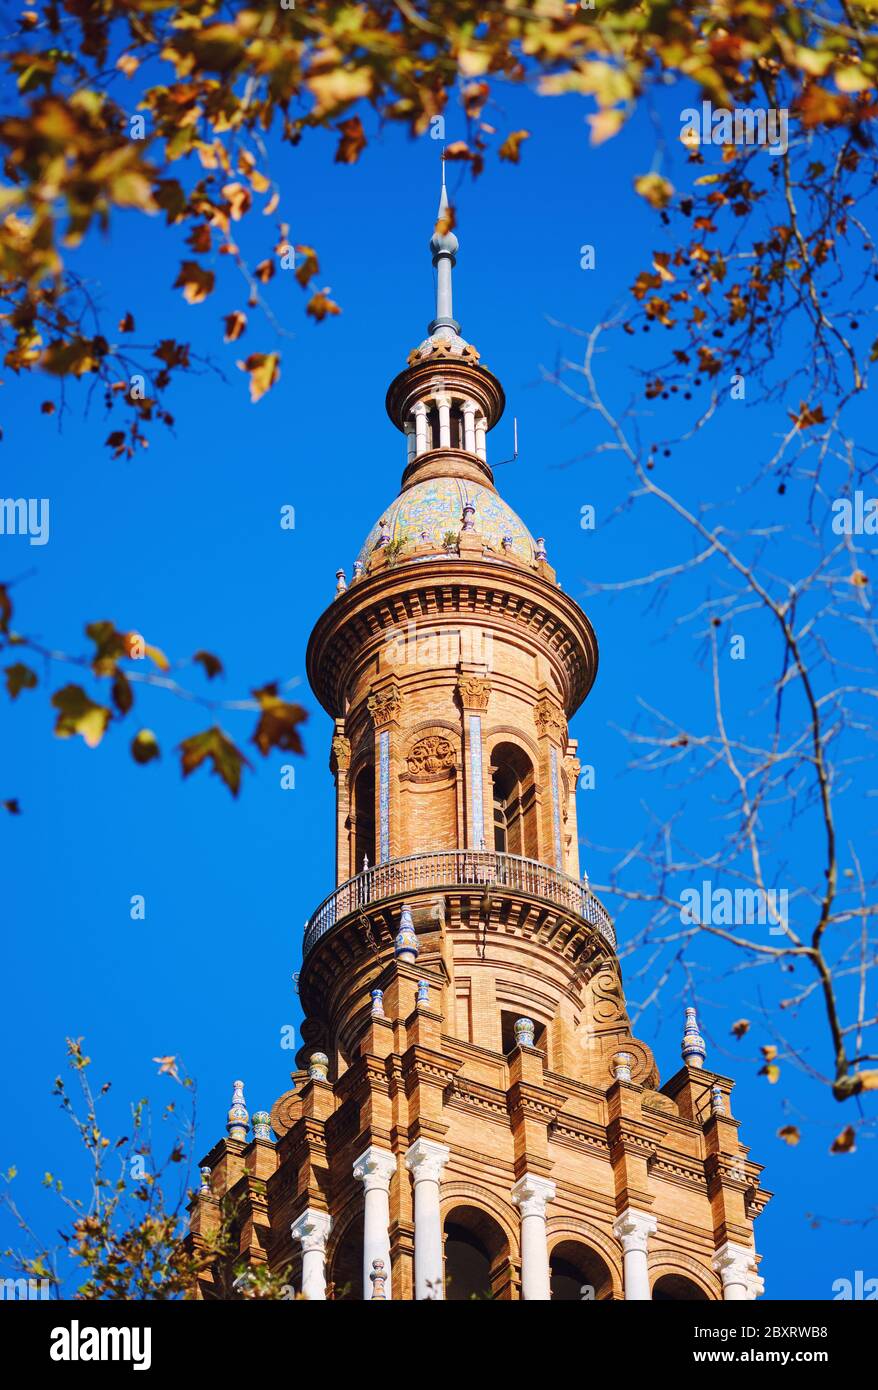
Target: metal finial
pixel 444 248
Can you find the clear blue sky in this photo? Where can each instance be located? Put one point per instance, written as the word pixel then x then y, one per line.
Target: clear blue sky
pixel 184 544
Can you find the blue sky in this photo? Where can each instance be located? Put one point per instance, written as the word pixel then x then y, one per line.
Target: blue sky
pixel 184 544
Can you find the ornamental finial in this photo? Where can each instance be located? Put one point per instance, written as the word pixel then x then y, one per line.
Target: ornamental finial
pixel 261 1124
pixel 444 245
pixel 238 1120
pixel 406 946
pixel 694 1050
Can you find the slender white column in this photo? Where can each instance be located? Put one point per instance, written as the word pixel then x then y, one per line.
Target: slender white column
pixel 531 1195
pixel 444 404
pixel 420 414
pixel 481 435
pixel 425 1161
pixel 735 1266
pixel 410 440
pixel 633 1229
pixel 469 426
pixel 374 1169
pixel 312 1229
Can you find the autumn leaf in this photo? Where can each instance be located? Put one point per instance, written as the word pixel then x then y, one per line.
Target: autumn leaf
pixel 511 147
pixel 319 306
pixel 212 664
pixel 126 324
pixel 19 677
pixel 144 746
pixel 789 1134
pixel 123 695
pixel 807 416
pixel 239 199
pixel 264 369
pixel 5 608
pixel 845 1142
pixel 308 266
pixel 12 806
pixel 110 646
pixel 353 141
pixel 657 190
pixel 771 1071
pixel 195 282
pixel 214 746
pixel 167 1067
pixel 277 727
pixel 235 324
pixel 741 1027
pixel 78 714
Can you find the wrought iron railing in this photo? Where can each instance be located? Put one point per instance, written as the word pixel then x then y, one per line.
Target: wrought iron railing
pixel 457 868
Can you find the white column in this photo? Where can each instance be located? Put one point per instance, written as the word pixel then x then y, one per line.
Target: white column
pixel 410 442
pixel 735 1265
pixel 481 433
pixel 632 1229
pixel 444 404
pixel 531 1195
pixel 374 1169
pixel 312 1229
pixel 420 414
pixel 469 426
pixel 425 1161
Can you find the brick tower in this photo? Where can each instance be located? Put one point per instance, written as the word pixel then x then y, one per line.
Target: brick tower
pixel 472 1115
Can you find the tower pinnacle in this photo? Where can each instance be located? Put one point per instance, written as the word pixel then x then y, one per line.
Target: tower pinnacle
pixel 444 246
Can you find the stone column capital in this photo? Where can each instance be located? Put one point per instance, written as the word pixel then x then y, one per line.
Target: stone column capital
pixel 312 1229
pixel 633 1228
pixel 733 1262
pixel 532 1194
pixel 473 692
pixel 426 1159
pixel 374 1169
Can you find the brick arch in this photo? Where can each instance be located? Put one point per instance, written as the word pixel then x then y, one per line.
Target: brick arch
pixel 561 1228
pixel 341 1224
pixel 460 1194
pixel 512 733
pixel 662 1262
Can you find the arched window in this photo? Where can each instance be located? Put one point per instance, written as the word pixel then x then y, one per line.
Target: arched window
pixel 364 817
pixel 476 1256
pixel 677 1288
pixel 579 1274
pixel 346 1276
pixel 514 802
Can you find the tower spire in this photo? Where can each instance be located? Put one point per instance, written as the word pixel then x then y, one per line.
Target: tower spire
pixel 444 248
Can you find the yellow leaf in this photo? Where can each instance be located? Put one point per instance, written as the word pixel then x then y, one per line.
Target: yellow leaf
pixel 656 190
pixel 264 369
pixel 604 125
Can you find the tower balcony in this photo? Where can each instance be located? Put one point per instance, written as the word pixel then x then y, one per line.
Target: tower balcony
pixel 454 869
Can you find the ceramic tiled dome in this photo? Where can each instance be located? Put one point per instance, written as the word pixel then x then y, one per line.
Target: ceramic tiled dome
pixel 435 507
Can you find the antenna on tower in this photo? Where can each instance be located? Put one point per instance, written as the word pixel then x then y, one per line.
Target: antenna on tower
pixel 514 445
